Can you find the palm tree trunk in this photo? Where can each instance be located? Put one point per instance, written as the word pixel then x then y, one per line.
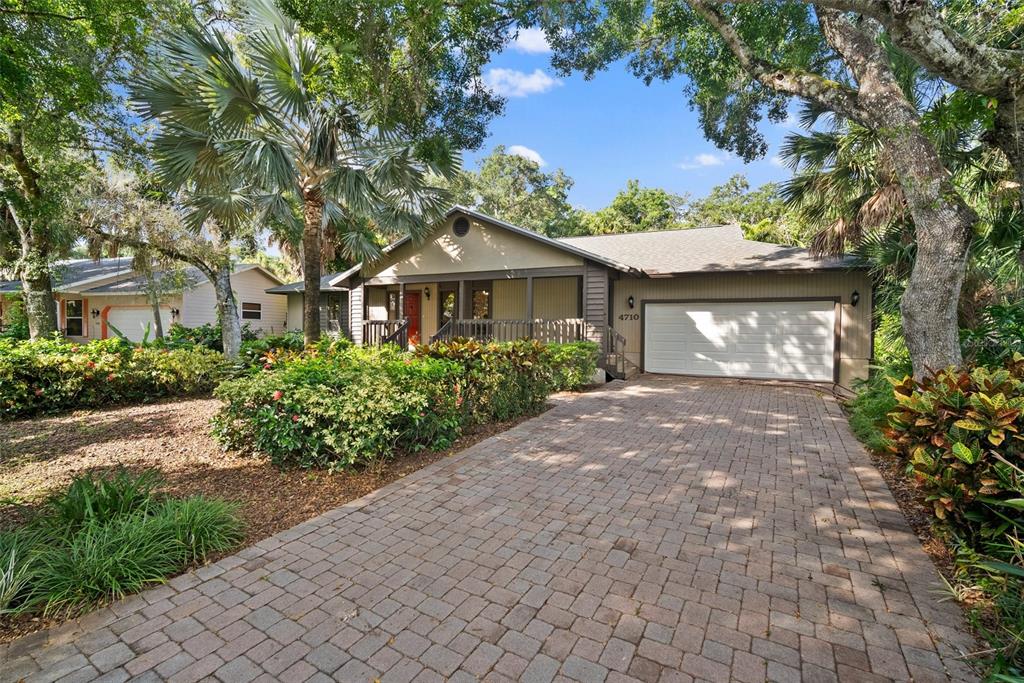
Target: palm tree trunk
pixel 313 213
pixel 227 310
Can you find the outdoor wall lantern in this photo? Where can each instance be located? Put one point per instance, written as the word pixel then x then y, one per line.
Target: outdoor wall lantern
pixel 854 298
pixel 95 312
pixel 631 301
pixel 175 312
pixel 426 293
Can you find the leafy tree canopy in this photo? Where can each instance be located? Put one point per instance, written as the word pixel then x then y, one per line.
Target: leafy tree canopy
pixel 417 62
pixel 635 209
pixel 515 189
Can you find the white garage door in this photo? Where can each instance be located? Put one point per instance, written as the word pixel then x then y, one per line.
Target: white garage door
pixel 131 322
pixel 762 339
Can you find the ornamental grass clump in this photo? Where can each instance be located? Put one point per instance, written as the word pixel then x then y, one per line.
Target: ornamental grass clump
pixel 105 538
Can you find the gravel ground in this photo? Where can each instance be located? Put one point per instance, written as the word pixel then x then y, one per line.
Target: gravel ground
pixel 43 454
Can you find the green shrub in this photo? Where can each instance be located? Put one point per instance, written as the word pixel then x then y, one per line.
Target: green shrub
pixel 869 410
pixel 206 335
pixel 572 365
pixel 337 405
pixel 15 322
pixel 48 375
pixel 996 336
pixel 118 538
pixel 341 408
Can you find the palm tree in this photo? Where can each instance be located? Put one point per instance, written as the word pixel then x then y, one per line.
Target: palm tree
pixel 253 126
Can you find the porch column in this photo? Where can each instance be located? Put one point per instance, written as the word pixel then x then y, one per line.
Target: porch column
pixel 401 301
pixel 356 297
pixel 529 305
pixel 461 313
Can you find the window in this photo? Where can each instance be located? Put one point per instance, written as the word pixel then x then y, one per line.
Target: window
pixel 73 323
pixel 252 311
pixel 393 313
pixel 481 303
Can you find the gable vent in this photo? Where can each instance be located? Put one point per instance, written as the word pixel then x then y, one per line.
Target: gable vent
pixel 461 226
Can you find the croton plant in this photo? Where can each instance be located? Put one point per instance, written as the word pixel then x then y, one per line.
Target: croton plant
pixel 960 431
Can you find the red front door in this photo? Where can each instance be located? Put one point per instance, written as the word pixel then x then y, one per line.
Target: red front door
pixel 412 314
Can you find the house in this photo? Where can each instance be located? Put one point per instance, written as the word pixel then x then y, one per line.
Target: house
pixel 702 301
pixel 94 296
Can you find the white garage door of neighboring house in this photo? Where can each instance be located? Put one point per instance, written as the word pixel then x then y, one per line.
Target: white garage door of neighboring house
pixel 131 322
pixel 761 339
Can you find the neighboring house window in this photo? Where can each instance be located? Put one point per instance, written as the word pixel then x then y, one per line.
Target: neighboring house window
pixel 73 324
pixel 252 311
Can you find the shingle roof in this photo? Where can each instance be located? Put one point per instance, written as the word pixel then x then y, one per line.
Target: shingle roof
pixel 694 250
pixel 292 287
pixel 75 275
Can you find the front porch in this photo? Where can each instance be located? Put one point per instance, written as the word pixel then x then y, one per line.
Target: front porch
pixel 549 308
pixel 494 309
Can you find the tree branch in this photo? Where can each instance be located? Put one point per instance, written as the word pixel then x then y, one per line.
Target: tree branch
pixel 163 249
pixel 828 93
pixel 40 14
pixel 915 27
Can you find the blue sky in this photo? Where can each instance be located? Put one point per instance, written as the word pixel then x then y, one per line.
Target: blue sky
pixel 610 129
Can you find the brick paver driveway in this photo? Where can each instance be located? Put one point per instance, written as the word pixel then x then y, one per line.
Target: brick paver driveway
pixel 665 530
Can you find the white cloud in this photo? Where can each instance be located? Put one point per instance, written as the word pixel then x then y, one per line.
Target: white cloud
pixel 532 41
pixel 703 160
pixel 512 83
pixel 777 161
pixel 527 153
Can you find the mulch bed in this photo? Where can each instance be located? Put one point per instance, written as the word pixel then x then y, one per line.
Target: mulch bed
pixel 41 455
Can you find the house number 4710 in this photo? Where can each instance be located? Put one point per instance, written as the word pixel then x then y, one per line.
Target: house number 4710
pixel 629 316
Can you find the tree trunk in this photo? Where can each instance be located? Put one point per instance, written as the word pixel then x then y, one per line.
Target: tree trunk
pixel 227 310
pixel 943 222
pixel 40 307
pixel 1008 136
pixel 37 287
pixel 313 213
pixel 158 325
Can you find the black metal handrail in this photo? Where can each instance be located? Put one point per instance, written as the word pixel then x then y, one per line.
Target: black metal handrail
pixel 400 336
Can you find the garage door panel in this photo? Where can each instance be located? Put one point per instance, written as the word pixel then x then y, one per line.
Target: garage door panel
pixel 132 322
pixel 762 339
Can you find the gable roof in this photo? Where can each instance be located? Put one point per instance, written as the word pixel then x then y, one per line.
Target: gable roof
pixel 560 245
pixel 74 276
pixel 696 250
pixel 300 286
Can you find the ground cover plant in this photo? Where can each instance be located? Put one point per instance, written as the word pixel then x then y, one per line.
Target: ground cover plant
pixel 337 405
pixel 48 375
pixel 104 538
pixel 958 433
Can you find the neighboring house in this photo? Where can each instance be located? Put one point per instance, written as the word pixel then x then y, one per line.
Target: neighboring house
pixel 702 301
pixel 333 304
pixel 95 295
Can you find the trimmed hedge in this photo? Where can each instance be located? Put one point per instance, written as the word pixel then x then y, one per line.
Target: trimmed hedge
pixel 49 375
pixel 341 406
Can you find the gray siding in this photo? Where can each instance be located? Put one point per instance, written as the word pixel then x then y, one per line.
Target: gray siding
pixel 595 300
